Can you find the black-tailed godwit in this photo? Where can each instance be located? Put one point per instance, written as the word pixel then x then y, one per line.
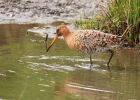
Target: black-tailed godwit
pixel 88 41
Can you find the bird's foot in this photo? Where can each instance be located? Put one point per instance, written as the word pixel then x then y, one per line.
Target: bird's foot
pixel 90 66
pixel 108 67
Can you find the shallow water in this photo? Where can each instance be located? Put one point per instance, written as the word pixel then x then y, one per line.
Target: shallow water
pixel 27 72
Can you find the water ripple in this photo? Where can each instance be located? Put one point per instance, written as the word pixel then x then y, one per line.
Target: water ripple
pixel 70 58
pixel 86 66
pixel 59 67
pixel 11 71
pixel 54 67
pixel 45 85
pixel 1 74
pixel 89 88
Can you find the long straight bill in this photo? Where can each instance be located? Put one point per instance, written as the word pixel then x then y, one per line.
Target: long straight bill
pixel 53 41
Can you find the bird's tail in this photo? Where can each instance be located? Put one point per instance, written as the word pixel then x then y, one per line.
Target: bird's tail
pixel 122 39
pixel 123 42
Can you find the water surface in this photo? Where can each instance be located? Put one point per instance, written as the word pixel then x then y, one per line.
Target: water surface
pixel 27 72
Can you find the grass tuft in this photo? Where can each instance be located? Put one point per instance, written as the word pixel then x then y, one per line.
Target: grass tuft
pixel 119 16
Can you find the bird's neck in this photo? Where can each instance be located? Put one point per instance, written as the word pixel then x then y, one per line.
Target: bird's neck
pixel 68 37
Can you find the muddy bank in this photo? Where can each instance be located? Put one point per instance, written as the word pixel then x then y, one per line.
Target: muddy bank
pixel 46 11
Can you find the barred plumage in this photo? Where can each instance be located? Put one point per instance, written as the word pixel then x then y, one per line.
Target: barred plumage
pixel 92 41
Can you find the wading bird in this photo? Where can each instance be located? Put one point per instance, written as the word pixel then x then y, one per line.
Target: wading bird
pixel 88 41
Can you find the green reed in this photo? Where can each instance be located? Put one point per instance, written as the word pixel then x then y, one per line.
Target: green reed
pixel 119 15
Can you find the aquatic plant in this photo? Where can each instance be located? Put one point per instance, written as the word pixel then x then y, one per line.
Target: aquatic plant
pixel 120 15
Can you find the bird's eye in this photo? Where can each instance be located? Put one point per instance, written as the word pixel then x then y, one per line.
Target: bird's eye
pixel 57 30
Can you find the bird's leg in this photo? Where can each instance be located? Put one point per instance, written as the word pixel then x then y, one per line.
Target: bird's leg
pixel 90 61
pixel 112 53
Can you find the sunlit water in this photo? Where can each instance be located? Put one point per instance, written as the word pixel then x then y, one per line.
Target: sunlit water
pixel 28 72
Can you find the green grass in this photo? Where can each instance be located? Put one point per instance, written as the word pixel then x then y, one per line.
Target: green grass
pixel 119 15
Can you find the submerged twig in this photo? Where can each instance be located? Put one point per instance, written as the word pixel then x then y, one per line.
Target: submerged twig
pixel 46 41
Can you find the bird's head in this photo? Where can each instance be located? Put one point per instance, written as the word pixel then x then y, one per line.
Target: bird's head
pixel 60 31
